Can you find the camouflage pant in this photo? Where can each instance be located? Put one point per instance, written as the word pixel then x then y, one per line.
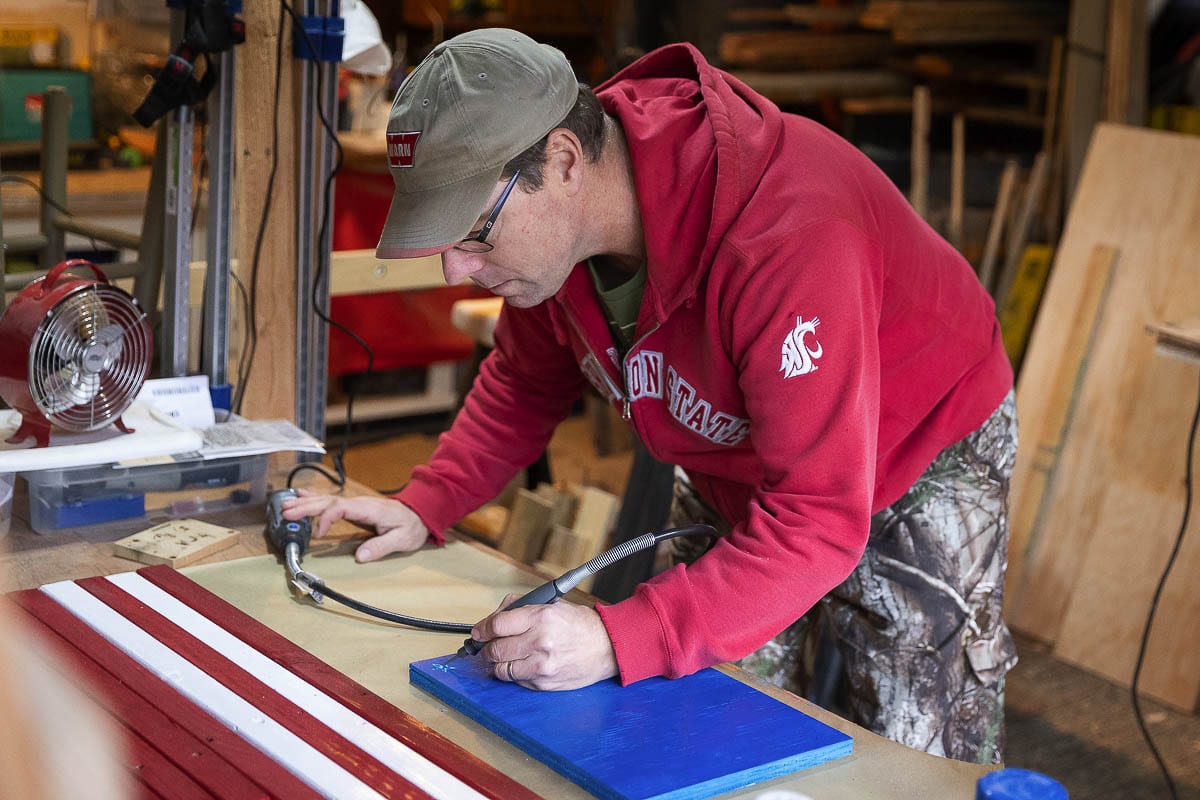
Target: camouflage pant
pixel 918 623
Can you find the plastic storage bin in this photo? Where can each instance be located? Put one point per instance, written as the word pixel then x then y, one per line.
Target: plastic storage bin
pixel 6 501
pixel 143 494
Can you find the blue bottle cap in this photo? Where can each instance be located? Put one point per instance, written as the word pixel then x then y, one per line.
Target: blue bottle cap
pixel 1018 784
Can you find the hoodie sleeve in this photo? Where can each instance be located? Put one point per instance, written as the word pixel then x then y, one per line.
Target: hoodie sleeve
pixel 802 330
pixel 525 388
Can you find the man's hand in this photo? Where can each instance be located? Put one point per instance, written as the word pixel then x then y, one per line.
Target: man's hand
pixel 398 529
pixel 549 647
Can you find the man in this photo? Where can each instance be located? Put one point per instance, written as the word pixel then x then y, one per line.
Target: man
pixel 772 317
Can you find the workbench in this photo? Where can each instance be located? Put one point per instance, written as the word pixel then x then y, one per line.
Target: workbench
pixel 463 581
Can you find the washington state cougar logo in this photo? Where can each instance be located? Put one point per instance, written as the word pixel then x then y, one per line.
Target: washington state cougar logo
pixel 798 357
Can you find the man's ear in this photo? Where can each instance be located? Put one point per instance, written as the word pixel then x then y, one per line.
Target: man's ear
pixel 564 161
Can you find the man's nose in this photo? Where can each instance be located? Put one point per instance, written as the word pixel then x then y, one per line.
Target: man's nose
pixel 458 266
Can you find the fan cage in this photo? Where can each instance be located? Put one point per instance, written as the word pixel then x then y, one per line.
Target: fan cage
pixel 89 357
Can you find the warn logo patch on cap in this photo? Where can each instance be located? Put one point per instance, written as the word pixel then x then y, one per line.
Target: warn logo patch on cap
pixel 400 148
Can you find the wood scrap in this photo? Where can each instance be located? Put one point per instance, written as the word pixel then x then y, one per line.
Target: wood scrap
pixel 1178 339
pixel 527 527
pixel 958 168
pixel 486 523
pixel 176 543
pixel 918 193
pixel 1125 70
pixel 595 516
pixel 1018 236
pixel 562 503
pixel 991 249
pixel 798 49
pixel 808 87
pixel 963 21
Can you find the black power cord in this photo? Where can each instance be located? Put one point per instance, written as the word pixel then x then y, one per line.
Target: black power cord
pixel 57 206
pixel 292 538
pixel 324 245
pixel 1162 582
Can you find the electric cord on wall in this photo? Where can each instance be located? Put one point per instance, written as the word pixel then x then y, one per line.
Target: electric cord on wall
pixel 324 245
pixel 1162 582
pixel 57 206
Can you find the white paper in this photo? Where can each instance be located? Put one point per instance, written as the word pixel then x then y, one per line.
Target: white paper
pixel 244 437
pixel 185 401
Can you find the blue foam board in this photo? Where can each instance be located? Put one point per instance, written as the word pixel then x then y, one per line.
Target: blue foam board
pixel 692 737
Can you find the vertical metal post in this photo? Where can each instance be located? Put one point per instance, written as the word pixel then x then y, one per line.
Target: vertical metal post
pixel 56 121
pixel 214 353
pixel 315 147
pixel 177 244
pixel 177 239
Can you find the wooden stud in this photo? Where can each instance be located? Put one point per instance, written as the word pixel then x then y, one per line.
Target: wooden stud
pixel 1008 183
pixel 919 158
pixel 1019 234
pixel 958 170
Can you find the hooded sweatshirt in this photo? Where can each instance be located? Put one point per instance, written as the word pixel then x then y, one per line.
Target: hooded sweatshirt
pixel 806 346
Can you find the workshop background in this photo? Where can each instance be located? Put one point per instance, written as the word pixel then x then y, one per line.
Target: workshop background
pixel 1055 143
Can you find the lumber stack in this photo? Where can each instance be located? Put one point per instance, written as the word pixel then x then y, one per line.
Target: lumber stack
pixel 554 528
pixel 964 21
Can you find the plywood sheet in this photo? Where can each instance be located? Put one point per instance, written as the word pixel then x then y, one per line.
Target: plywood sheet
pixel 1140 193
pixel 693 737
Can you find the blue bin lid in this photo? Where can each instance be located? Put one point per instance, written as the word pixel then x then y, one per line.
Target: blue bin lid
pixel 1018 784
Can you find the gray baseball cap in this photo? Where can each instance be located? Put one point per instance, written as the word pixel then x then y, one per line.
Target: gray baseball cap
pixel 472 105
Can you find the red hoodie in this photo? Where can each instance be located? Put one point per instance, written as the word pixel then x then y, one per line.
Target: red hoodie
pixel 806 346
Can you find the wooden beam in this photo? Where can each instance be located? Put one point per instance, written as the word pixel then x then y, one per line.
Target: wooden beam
pixel 1083 83
pixel 1018 237
pixel 991 250
pixel 270 390
pixel 958 157
pixel 918 193
pixel 1125 75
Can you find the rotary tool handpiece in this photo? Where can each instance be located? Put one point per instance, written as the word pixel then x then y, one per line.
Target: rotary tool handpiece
pixel 286 531
pixel 546 593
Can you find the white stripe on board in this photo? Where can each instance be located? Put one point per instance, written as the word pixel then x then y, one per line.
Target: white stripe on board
pixel 405 761
pixel 292 752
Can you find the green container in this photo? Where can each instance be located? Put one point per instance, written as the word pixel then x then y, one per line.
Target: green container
pixel 21 93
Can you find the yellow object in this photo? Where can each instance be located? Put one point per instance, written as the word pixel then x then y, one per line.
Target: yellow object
pixel 1184 119
pixel 29 46
pixel 1017 313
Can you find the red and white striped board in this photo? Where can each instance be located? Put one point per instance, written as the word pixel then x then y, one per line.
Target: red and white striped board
pixel 215 704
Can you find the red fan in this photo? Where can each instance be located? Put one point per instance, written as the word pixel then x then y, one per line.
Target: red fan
pixel 74 353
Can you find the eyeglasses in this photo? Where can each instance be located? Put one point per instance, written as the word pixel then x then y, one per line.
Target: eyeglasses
pixel 476 241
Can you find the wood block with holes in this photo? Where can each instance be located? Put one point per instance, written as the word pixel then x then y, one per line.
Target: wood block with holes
pixel 527 528
pixel 177 543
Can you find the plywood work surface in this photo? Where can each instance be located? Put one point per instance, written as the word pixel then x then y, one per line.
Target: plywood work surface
pixel 465 581
pixel 1083 568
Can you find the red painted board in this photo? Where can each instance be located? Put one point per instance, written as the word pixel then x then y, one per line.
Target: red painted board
pixel 477 774
pixel 133 677
pixel 337 748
